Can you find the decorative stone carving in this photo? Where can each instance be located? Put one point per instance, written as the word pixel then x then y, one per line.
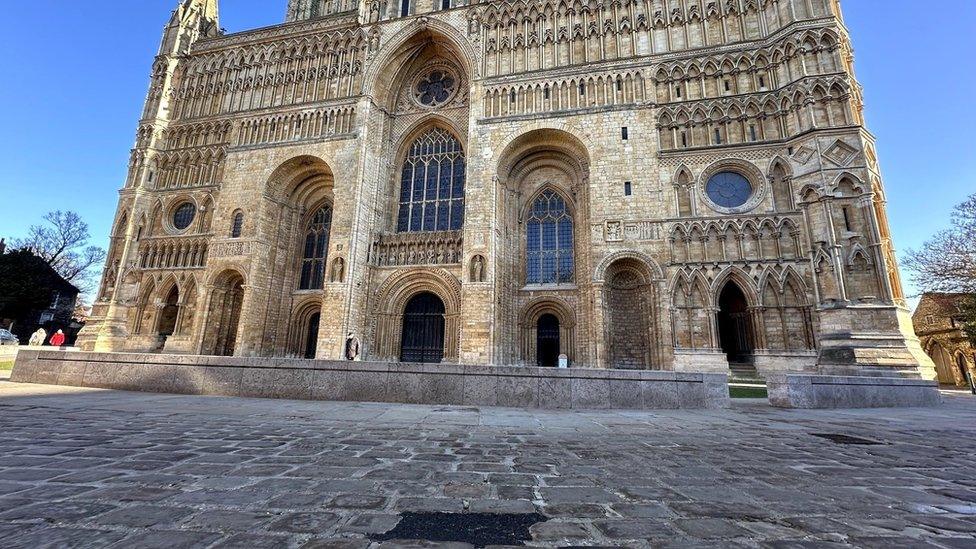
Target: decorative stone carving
pixel 432 248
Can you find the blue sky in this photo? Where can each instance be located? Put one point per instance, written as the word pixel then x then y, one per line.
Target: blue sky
pixel 74 76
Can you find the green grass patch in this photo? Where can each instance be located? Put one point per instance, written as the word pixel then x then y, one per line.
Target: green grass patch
pixel 748 392
pixel 6 365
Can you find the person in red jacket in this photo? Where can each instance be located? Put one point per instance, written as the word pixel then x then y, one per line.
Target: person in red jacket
pixel 57 339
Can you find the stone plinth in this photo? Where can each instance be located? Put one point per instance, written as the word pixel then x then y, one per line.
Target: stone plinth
pixel 701 360
pixel 823 391
pixel 469 385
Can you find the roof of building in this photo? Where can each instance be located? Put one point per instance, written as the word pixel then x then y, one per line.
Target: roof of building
pixel 942 303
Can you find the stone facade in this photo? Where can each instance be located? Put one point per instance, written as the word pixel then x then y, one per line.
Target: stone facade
pixel 641 184
pixel 937 324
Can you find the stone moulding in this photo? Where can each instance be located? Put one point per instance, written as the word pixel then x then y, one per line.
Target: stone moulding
pixel 443 384
pixel 822 391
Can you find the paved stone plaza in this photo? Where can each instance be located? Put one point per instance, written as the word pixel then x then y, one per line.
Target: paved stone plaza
pixel 90 468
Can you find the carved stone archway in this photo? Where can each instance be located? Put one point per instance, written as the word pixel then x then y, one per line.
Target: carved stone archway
pixel 391 301
pixel 529 325
pixel 220 335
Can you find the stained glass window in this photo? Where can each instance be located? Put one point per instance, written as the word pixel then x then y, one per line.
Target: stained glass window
pixel 728 189
pixel 436 88
pixel 183 215
pixel 432 184
pixel 315 249
pixel 549 243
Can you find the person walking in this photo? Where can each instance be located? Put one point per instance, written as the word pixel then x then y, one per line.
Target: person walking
pixel 37 338
pixel 57 340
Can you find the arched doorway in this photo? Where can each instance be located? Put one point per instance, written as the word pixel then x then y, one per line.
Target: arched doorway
pixel 547 340
pixel 735 325
pixel 169 313
pixel 423 329
pixel 312 335
pixel 628 306
pixel 224 315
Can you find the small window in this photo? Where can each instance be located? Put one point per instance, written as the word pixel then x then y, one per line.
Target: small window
pixel 620 85
pixel 404 8
pixel 789 151
pixel 582 88
pixel 445 4
pixel 237 226
pixel 623 133
pixel 728 86
pixel 511 96
pixel 183 215
pixel 718 136
pixel 677 92
pixel 684 139
pixel 545 92
pixel 847 218
pixel 762 82
pixel 628 190
pixel 150 176
pixel 752 133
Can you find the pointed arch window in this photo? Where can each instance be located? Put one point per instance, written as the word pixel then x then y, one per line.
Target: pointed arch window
pixel 549 243
pixel 315 249
pixel 432 184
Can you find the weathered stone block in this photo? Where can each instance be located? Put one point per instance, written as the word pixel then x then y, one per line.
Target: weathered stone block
pixel 817 391
pixel 555 392
pixel 591 393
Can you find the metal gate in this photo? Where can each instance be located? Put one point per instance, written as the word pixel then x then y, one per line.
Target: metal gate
pixel 423 329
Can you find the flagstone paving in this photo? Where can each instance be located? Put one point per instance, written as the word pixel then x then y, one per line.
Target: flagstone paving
pixel 94 468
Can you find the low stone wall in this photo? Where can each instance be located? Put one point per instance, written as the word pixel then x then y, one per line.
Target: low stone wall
pixel 819 391
pixel 10 352
pixel 376 381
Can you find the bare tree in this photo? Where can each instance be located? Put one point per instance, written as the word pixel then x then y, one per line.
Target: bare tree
pixel 63 244
pixel 947 262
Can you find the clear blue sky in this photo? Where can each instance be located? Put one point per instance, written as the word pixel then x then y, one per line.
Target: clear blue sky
pixel 74 76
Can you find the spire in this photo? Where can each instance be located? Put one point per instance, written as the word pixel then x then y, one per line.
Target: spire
pixel 191 20
pixel 208 9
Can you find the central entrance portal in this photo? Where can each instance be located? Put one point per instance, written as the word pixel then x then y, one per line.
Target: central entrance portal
pixel 547 340
pixel 423 329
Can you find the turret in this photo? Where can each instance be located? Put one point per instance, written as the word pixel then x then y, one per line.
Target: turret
pixel 191 20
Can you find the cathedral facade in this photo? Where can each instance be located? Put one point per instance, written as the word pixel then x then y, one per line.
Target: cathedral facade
pixel 645 184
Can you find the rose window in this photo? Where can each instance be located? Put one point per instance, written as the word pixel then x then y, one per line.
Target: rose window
pixel 436 88
pixel 728 189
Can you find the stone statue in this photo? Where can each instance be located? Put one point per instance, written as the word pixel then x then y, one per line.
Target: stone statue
pixel 478 269
pixel 338 270
pixel 352 347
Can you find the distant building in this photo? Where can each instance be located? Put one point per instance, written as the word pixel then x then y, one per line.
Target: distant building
pixel 938 327
pixel 57 316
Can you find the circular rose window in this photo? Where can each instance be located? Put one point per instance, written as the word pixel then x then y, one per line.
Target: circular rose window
pixel 728 189
pixel 436 88
pixel 183 215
